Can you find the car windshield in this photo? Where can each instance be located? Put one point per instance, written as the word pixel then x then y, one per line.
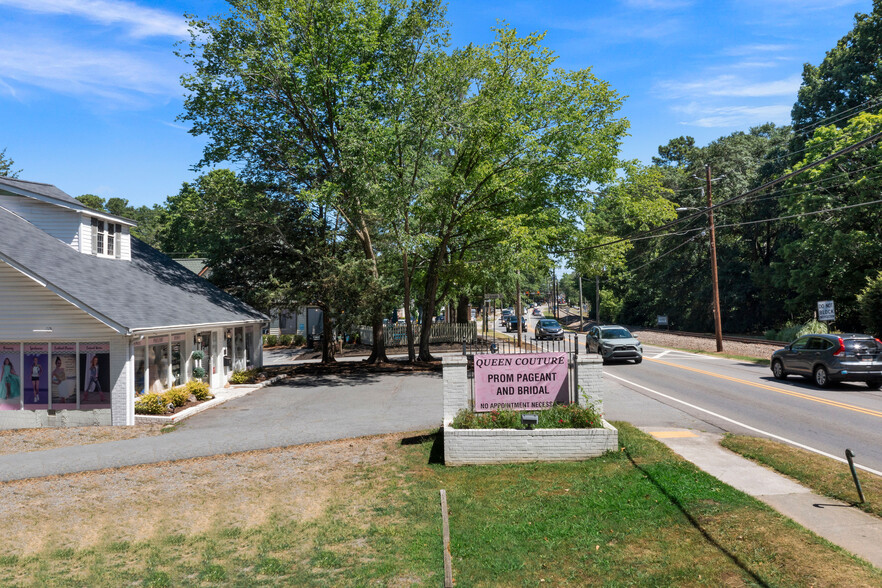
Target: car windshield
pixel 548 323
pixel 617 333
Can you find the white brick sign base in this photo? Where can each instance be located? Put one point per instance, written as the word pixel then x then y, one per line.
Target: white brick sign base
pixel 495 446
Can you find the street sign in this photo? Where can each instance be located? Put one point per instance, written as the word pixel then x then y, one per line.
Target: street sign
pixel 492 296
pixel 826 312
pixel 663 320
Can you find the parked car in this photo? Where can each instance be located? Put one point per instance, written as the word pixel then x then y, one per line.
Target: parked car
pixel 537 312
pixel 849 357
pixel 506 312
pixel 549 329
pixel 613 343
pixel 512 324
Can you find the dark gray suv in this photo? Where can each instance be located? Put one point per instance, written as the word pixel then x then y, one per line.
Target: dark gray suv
pixel 849 357
pixel 549 329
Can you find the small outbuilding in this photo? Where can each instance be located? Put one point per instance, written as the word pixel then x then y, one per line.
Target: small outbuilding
pixel 91 317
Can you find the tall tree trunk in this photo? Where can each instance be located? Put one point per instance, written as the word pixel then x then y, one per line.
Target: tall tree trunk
pixel 462 309
pixel 327 336
pixel 378 352
pixel 411 352
pixel 429 294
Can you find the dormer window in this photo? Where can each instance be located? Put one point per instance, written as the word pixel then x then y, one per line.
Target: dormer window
pixel 105 238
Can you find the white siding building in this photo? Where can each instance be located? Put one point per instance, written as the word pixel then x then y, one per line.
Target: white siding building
pixel 90 317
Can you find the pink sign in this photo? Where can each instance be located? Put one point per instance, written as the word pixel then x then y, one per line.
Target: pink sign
pixel 36 348
pixel 94 347
pixel 527 381
pixel 59 348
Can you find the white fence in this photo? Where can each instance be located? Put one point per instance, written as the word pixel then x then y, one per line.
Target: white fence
pixel 396 335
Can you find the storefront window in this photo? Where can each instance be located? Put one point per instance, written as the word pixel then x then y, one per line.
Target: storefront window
pixel 140 367
pixel 249 345
pixel 10 376
pixel 177 354
pixel 36 376
pixel 228 351
pixel 158 363
pixel 94 375
pixel 64 375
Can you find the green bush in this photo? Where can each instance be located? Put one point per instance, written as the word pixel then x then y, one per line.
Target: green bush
pixel 198 372
pixel 299 340
pixel 177 396
pixel 150 404
pixel 197 355
pixel 243 377
pixel 559 416
pixel 870 305
pixel 270 340
pixel 286 340
pixel 793 331
pixel 198 389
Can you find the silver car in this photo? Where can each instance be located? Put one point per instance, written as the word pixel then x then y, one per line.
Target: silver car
pixel 849 357
pixel 613 343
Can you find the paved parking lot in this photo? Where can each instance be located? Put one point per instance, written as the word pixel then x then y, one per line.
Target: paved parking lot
pixel 307 409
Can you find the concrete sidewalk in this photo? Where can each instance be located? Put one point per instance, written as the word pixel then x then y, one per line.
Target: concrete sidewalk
pixel 837 522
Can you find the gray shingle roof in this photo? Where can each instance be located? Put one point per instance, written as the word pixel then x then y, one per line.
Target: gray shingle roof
pixel 47 190
pixel 150 291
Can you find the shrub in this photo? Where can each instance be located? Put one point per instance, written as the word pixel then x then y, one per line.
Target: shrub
pixel 870 305
pixel 559 416
pixel 270 341
pixel 150 404
pixel 243 377
pixel 197 354
pixel 299 340
pixel 198 389
pixel 198 372
pixel 286 340
pixel 177 396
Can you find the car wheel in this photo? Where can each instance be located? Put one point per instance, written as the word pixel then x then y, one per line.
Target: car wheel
pixel 638 360
pixel 822 378
pixel 874 384
pixel 778 370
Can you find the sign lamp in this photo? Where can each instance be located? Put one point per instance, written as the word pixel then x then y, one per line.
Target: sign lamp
pixel 529 421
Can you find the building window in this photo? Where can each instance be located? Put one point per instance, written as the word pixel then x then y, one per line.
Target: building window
pixel 105 238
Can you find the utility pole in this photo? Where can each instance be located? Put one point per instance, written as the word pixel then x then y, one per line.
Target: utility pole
pixel 718 325
pixel 581 323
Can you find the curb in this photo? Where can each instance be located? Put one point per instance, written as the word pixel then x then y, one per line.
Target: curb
pixel 237 391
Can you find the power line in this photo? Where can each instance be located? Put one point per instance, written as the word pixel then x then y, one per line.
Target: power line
pixel 648 233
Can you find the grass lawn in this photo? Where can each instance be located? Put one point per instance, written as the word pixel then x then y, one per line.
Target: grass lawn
pixel 367 512
pixel 823 475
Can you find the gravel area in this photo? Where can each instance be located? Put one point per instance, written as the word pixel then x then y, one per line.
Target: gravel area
pixel 755 350
pixel 189 496
pixel 24 440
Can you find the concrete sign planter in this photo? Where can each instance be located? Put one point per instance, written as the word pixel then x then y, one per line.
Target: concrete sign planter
pixel 496 446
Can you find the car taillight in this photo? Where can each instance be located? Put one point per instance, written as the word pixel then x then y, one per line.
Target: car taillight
pixel 841 349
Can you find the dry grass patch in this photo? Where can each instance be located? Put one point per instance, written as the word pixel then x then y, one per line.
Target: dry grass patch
pixel 25 440
pixel 821 474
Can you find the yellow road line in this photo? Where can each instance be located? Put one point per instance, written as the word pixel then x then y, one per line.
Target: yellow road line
pixel 793 393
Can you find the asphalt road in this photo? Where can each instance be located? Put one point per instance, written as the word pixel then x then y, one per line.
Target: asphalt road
pixel 744 398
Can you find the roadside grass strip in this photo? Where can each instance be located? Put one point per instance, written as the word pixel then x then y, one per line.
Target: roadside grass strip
pixel 822 475
pixel 365 512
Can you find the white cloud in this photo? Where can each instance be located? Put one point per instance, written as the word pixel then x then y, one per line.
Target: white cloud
pixel 756 49
pixel 734 116
pixel 78 71
pixel 142 21
pixel 729 86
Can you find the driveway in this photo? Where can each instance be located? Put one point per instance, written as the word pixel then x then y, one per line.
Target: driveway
pixel 307 409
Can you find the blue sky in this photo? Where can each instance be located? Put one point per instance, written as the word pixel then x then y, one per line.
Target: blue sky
pixel 89 90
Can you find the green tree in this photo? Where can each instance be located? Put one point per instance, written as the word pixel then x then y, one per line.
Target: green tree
pixel 870 304
pixel 93 202
pixel 839 241
pixel 297 90
pixel 848 77
pixel 6 166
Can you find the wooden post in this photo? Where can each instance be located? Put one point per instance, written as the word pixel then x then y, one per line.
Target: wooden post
pixel 445 537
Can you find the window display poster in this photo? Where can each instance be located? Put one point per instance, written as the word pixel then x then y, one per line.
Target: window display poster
pixel 94 375
pixel 64 375
pixel 10 376
pixel 36 376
